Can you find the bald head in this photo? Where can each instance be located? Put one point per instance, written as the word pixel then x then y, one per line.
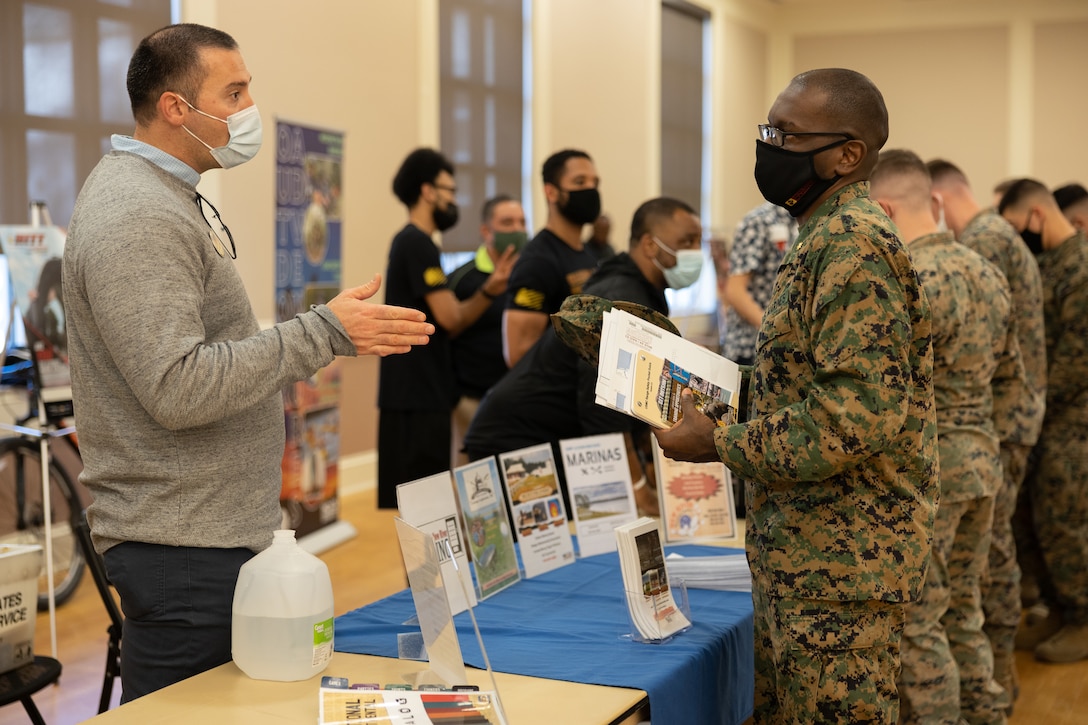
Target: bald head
pixel 851 102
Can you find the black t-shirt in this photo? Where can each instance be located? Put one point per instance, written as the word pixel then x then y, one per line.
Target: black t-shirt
pixel 549 395
pixel 546 273
pixel 477 352
pixel 421 379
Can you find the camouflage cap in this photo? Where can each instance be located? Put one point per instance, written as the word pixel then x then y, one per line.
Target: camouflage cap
pixel 580 318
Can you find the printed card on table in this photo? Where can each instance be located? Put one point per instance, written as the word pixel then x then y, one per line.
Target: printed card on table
pixel 599 484
pixel 696 499
pixel 532 487
pixel 429 505
pixel 479 490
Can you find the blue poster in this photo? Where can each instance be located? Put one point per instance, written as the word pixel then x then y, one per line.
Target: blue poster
pixel 309 165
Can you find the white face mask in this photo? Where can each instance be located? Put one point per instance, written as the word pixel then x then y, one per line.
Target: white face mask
pixel 245 136
pixel 689 265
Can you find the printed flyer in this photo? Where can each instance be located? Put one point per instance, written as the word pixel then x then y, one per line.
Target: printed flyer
pixel 599 485
pixel 532 487
pixel 490 539
pixel 696 499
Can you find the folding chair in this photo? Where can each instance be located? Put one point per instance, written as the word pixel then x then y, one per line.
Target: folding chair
pixel 102 582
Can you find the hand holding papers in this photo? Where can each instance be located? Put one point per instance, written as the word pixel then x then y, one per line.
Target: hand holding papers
pixel 643 370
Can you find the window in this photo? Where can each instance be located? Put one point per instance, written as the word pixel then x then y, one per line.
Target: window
pixel 482 105
pixel 63 66
pixel 685 132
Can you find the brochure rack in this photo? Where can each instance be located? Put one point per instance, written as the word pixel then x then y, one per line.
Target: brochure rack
pixel 671 615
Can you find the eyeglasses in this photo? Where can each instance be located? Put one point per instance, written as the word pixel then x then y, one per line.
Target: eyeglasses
pixel 217 240
pixel 450 189
pixel 777 137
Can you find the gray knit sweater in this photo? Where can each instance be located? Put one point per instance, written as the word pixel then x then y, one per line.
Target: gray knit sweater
pixel 176 388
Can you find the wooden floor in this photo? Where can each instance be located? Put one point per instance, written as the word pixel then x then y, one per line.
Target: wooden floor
pixel 1050 694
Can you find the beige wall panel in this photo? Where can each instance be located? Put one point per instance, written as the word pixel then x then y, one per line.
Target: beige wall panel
pixel 946 90
pixel 1060 106
pixel 742 71
pixel 601 89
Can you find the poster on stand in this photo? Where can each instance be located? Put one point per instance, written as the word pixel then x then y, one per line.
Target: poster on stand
pixel 33 255
pixel 536 504
pixel 309 164
pixel 696 499
pixel 600 489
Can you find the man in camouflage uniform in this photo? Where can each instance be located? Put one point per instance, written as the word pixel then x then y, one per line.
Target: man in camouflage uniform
pixel 1013 539
pixel 977 378
pixel 840 448
pixel 1058 474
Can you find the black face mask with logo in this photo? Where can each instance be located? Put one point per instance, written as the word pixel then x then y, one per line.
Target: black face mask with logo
pixel 583 206
pixel 788 178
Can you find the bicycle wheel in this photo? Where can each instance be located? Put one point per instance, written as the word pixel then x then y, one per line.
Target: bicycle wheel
pixel 22 515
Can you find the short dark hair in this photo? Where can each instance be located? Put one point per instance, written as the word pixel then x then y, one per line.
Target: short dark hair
pixel 422 166
pixel 1019 190
pixel 900 161
pixel 553 167
pixel 941 170
pixel 169 60
pixel 853 101
pixel 1070 194
pixel 488 209
pixel 653 211
pixel 1002 186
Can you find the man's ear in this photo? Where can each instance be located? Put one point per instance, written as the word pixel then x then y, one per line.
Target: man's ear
pixel 551 193
pixel 171 108
pixel 853 154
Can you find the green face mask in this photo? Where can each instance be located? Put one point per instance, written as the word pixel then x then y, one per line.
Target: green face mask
pixel 517 240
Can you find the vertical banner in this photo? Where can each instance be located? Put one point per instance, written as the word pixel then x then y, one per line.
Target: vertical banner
pixel 309 162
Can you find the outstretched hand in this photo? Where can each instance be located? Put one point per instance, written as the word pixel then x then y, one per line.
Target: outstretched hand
pixel 379 329
pixel 692 438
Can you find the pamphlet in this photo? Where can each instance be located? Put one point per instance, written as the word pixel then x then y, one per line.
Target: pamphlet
pixel 599 484
pixel 490 538
pixel 361 704
pixel 532 487
pixel 650 600
pixel 643 370
pixel 696 499
pixel 429 504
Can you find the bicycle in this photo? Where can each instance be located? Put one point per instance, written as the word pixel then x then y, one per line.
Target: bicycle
pixel 22 513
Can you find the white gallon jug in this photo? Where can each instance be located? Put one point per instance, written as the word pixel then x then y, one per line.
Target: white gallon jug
pixel 282 614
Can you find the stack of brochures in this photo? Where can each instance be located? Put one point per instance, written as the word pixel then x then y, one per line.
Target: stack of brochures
pixel 654 610
pixel 643 370
pixel 727 573
pixel 342 704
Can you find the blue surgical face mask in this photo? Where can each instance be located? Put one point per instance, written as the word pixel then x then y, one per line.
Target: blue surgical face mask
pixel 245 131
pixel 689 265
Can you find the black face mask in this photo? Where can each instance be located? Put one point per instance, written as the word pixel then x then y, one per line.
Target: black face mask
pixel 1034 240
pixel 788 178
pixel 583 206
pixel 445 218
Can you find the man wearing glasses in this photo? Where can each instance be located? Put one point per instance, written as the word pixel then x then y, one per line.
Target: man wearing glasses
pixel 839 452
pixel 177 389
pixel 418 392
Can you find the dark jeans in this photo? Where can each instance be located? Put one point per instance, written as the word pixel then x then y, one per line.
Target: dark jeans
pixel 177 605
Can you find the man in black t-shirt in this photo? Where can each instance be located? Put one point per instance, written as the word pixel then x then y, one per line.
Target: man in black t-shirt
pixel 417 392
pixel 550 394
pixel 556 263
pixel 477 352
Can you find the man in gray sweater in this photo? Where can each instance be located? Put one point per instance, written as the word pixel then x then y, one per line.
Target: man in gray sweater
pixel 176 387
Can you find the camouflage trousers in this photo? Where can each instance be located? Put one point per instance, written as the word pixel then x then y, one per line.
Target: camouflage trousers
pixel 1057 484
pixel 947 662
pixel 825 661
pixel 1001 587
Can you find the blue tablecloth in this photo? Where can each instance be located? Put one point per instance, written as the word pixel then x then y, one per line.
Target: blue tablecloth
pixel 570 624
